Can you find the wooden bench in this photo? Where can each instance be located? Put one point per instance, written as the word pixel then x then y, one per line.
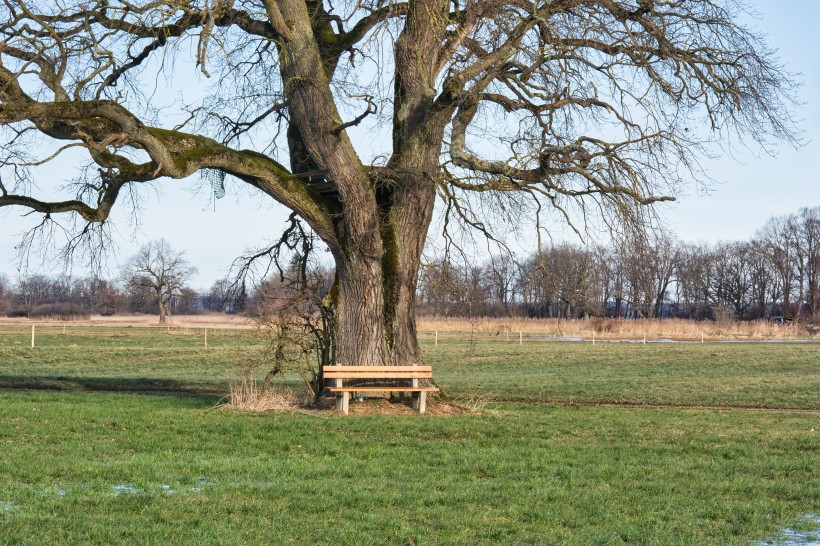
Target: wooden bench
pixel 394 376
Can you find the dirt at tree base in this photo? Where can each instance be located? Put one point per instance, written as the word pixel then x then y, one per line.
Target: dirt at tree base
pixel 385 406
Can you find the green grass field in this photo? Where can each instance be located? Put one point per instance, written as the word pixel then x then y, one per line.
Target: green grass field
pixel 113 436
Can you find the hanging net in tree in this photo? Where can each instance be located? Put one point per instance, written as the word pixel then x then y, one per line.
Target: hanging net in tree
pixel 216 179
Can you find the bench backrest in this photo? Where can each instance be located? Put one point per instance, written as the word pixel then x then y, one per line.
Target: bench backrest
pixel 378 372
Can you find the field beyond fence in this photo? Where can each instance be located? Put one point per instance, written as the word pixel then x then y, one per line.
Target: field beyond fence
pixel 511 328
pixel 613 329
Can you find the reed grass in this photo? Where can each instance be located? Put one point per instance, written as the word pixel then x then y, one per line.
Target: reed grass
pixel 604 328
pixel 601 328
pixel 246 393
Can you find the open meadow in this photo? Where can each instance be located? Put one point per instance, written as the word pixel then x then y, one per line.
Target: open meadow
pixel 116 436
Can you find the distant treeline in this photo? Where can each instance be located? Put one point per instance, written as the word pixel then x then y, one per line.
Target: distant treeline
pixel 775 275
pixel 61 297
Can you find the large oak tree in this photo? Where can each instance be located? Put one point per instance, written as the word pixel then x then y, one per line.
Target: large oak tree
pixel 497 107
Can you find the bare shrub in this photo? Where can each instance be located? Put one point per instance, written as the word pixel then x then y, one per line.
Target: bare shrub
pixel 293 312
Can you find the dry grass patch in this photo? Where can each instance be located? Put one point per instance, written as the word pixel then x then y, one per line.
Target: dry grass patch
pixel 385 406
pixel 215 320
pixel 246 394
pixel 604 328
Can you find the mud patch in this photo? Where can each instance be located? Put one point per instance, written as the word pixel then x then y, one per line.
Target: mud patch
pixel 385 406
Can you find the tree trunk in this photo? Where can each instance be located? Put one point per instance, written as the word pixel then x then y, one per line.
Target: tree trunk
pixel 359 312
pixel 379 217
pixel 161 305
pixel 375 294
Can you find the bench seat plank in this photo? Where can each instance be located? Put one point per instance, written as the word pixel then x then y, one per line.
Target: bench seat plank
pixel 380 369
pixel 383 389
pixel 372 375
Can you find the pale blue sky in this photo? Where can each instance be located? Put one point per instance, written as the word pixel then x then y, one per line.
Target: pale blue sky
pixel 757 187
pixel 751 188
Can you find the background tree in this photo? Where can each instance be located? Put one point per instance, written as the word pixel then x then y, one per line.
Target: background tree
pixel 500 274
pixel 764 288
pixel 455 287
pixel 694 281
pixel 4 292
pixel 159 271
pixel 807 229
pixel 778 240
pixel 34 291
pixel 441 288
pixel 733 277
pixel 187 302
pixel 219 297
pixel 588 104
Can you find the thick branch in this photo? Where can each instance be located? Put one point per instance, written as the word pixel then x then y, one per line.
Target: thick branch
pixel 101 125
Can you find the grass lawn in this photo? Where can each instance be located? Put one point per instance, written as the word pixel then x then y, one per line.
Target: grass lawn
pixel 774 375
pixel 541 465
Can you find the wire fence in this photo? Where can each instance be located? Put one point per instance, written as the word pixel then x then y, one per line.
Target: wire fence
pixel 148 337
pixel 133 337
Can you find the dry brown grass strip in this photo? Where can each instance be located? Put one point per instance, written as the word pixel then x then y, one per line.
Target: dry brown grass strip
pixel 245 394
pixel 604 328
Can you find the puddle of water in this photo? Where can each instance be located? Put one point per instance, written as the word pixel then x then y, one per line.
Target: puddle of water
pixel 590 340
pixel 202 483
pixel 765 341
pixel 64 490
pixel 124 489
pixel 793 537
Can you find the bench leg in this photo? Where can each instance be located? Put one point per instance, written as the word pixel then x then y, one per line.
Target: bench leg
pixel 420 401
pixel 343 402
pixel 342 399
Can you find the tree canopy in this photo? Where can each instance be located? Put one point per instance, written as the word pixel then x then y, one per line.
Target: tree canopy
pixel 497 108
